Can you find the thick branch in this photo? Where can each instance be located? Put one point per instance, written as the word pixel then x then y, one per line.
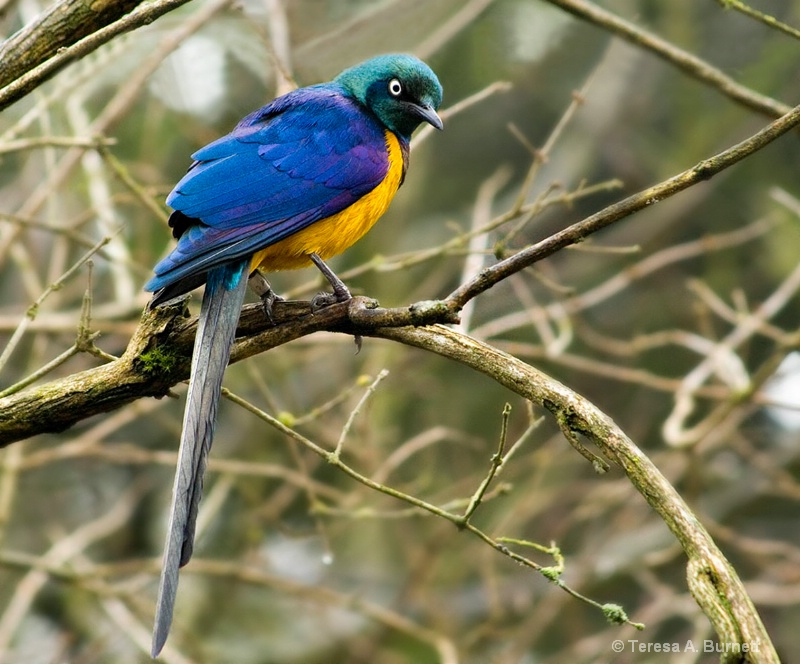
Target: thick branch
pixel 711 578
pixel 24 72
pixel 60 26
pixel 159 356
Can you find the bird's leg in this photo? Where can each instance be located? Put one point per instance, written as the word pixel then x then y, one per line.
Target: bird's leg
pixel 340 291
pixel 260 286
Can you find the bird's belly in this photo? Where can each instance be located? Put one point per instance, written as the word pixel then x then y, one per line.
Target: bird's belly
pixel 332 235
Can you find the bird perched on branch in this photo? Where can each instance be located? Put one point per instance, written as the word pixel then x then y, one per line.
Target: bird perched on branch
pixel 295 182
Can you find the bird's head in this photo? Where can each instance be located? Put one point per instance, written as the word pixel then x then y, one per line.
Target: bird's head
pixel 401 90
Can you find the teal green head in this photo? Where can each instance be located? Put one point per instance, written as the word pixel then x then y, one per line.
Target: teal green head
pixel 401 90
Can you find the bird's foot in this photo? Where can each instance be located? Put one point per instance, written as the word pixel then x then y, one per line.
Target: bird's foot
pixel 340 293
pixel 268 300
pixel 322 300
pixel 260 286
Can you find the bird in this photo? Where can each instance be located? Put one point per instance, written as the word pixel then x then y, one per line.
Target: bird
pixel 294 183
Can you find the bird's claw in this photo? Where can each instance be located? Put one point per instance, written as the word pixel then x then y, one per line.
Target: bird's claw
pixel 322 300
pixel 268 300
pixel 260 286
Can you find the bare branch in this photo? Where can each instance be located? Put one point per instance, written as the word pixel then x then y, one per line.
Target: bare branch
pixel 17 84
pixel 687 62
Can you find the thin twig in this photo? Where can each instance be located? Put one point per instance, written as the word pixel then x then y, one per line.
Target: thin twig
pixel 34 308
pixel 687 62
pixel 703 170
pixel 766 19
pixel 351 418
pixel 459 520
pixel 497 460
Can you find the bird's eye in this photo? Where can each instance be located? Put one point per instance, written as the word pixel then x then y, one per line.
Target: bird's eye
pixel 395 87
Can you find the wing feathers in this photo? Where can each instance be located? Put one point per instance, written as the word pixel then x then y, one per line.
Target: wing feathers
pixel 280 170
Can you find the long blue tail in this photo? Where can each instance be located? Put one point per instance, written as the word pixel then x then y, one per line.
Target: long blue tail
pixel 219 316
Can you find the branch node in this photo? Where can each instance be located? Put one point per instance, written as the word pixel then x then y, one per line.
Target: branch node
pixel 570 432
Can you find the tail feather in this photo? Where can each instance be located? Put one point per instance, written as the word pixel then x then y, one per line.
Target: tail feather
pixel 219 316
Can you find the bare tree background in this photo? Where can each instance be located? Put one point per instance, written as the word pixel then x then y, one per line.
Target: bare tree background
pixel 415 504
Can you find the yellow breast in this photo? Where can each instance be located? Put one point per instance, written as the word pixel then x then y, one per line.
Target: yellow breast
pixel 331 236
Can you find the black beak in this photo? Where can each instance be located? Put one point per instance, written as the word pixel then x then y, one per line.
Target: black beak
pixel 429 115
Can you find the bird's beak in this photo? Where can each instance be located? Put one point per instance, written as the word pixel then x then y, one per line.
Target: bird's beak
pixel 429 115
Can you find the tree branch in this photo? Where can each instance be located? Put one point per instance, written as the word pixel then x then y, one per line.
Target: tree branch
pixel 687 62
pixel 712 580
pixel 71 30
pixel 577 232
pixel 159 356
pixel 59 27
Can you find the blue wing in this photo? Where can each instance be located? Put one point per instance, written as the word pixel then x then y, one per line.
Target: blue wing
pixel 302 158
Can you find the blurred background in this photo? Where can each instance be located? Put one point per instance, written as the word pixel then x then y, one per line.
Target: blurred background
pixel 694 300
